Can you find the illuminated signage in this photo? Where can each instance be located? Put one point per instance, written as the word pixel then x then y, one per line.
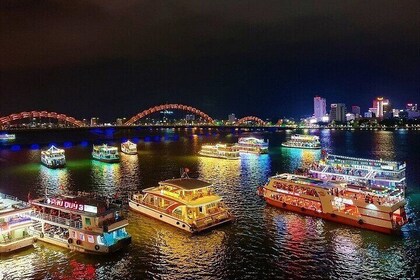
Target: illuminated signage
pixel 72 205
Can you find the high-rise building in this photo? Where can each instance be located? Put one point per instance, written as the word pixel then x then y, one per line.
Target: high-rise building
pixel 381 105
pixel 320 108
pixel 338 112
pixel 119 121
pixel 231 118
pixel 355 110
pixel 94 121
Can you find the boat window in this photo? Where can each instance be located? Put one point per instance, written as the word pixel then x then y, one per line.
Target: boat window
pixel 82 236
pixel 87 221
pixel 91 239
pixel 200 209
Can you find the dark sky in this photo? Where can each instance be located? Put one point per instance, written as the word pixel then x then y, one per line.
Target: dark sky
pixel 265 58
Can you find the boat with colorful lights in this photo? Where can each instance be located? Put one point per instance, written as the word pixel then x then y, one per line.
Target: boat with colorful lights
pixel 7 137
pixel 301 141
pixel 375 209
pixel 252 145
pixel 224 151
pixel 188 204
pixel 105 153
pixel 14 224
pixel 53 157
pixel 129 148
pixel 80 223
pixel 360 171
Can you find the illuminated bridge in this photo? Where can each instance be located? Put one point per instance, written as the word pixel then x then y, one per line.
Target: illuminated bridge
pixel 67 121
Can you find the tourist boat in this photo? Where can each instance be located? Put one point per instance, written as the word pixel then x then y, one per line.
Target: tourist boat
pixel 14 224
pixel 7 137
pixel 252 145
pixel 105 153
pixel 360 171
pixel 53 157
pixel 129 148
pixel 375 209
pixel 185 203
pixel 80 223
pixel 224 151
pixel 303 142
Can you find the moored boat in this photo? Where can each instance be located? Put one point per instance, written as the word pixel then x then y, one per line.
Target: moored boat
pixel 188 204
pixel 301 141
pixel 14 224
pixel 80 223
pixel 367 208
pixel 7 137
pixel 224 151
pixel 53 157
pixel 252 145
pixel 105 153
pixel 129 148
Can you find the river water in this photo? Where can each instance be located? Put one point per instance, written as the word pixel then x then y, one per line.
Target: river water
pixel 264 242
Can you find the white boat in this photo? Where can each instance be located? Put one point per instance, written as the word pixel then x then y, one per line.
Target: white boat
pixel 14 224
pixel 79 223
pixel 105 153
pixel 188 204
pixel 252 145
pixel 7 137
pixel 301 141
pixel 223 151
pixel 53 157
pixel 129 148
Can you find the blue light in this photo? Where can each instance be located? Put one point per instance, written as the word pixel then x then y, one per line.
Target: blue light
pixel 84 143
pixel 34 147
pixel 52 144
pixel 68 144
pixel 147 139
pixel 157 139
pixel 136 139
pixel 15 148
pixel 124 140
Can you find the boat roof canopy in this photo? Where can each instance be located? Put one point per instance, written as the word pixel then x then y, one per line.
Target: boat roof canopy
pixel 186 183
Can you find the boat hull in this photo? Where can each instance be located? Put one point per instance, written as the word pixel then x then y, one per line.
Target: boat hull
pixel 328 216
pixel 157 215
pixel 219 156
pixel 299 147
pixel 16 245
pixel 53 166
pixel 113 160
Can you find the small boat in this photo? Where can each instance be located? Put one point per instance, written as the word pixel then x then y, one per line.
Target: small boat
pixel 7 137
pixel 338 202
pixel 53 157
pixel 80 223
pixel 252 145
pixel 224 151
pixel 301 141
pixel 14 224
pixel 129 148
pixel 188 204
pixel 105 153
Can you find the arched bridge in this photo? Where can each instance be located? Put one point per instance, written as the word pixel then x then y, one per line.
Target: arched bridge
pixel 155 109
pixel 40 114
pixel 251 119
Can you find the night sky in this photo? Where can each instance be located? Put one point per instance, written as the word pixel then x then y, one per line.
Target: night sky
pixel 111 58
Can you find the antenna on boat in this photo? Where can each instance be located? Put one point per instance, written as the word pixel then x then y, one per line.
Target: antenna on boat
pixel 184 172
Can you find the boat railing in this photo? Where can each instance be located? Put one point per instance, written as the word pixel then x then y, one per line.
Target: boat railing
pixel 213 218
pixel 10 197
pixel 385 200
pixel 163 209
pixel 57 220
pixel 8 240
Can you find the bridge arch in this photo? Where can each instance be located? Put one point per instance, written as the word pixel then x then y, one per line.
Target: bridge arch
pixel 40 114
pixel 158 108
pixel 251 119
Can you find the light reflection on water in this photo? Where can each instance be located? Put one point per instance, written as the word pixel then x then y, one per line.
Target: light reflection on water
pixel 263 243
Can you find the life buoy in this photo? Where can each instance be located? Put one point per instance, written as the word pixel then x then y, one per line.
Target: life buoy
pixel 361 222
pixel 41 235
pixel 78 242
pixel 70 240
pixel 96 247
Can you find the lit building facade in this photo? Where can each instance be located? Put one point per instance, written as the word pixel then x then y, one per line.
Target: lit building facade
pixel 338 112
pixel 320 108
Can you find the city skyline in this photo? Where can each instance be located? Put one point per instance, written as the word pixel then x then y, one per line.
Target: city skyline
pixel 87 59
